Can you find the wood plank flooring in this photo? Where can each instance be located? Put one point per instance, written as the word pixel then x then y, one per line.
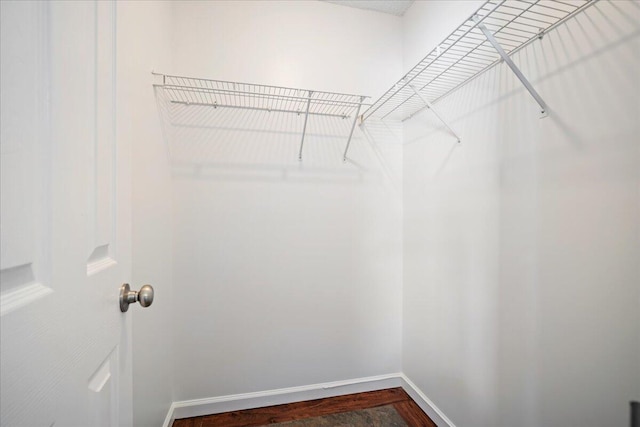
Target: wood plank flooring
pixel 403 404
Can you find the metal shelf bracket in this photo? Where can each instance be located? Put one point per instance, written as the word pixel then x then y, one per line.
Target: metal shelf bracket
pixel 430 106
pixel 505 57
pixel 304 128
pixel 353 126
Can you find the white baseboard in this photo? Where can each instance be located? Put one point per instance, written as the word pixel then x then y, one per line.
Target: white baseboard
pixel 436 415
pixel 238 402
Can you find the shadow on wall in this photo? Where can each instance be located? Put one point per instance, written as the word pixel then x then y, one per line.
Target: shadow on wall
pixel 209 143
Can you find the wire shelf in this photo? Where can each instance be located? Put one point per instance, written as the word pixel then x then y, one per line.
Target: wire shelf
pixel 250 96
pixel 226 94
pixel 467 52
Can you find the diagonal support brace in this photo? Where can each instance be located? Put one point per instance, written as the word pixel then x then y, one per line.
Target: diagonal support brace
pixel 304 128
pixel 430 106
pixel 353 126
pixel 510 63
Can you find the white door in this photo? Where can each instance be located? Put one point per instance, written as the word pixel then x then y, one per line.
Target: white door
pixel 65 219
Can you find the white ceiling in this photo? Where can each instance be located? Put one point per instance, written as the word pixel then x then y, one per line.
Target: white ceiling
pixel 394 7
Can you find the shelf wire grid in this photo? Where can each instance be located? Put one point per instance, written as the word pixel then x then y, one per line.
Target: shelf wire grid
pixel 227 94
pixel 466 52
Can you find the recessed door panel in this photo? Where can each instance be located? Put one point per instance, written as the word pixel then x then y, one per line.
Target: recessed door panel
pixel 102 174
pixel 103 393
pixel 24 156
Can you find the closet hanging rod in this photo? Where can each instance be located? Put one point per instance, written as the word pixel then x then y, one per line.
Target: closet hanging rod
pixel 467 52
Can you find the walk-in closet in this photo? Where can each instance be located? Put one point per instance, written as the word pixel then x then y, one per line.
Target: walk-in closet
pixel 218 206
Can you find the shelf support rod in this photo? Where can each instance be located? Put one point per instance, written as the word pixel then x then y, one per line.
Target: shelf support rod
pixel 353 126
pixel 304 128
pixel 430 106
pixel 510 63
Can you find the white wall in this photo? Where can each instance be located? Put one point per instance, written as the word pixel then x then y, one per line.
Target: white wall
pixel 142 48
pixel 522 244
pixel 287 273
pixel 309 44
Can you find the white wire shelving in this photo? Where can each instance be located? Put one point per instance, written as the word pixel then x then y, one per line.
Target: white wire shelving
pixel 497 30
pixel 275 99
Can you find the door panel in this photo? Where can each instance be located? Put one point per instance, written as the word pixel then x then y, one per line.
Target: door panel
pixel 65 217
pixel 103 392
pixel 101 207
pixel 25 161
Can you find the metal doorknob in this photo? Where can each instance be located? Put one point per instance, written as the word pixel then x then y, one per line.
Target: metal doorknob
pixel 144 296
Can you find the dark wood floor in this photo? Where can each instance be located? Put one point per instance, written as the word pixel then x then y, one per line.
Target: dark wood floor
pixel 406 407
